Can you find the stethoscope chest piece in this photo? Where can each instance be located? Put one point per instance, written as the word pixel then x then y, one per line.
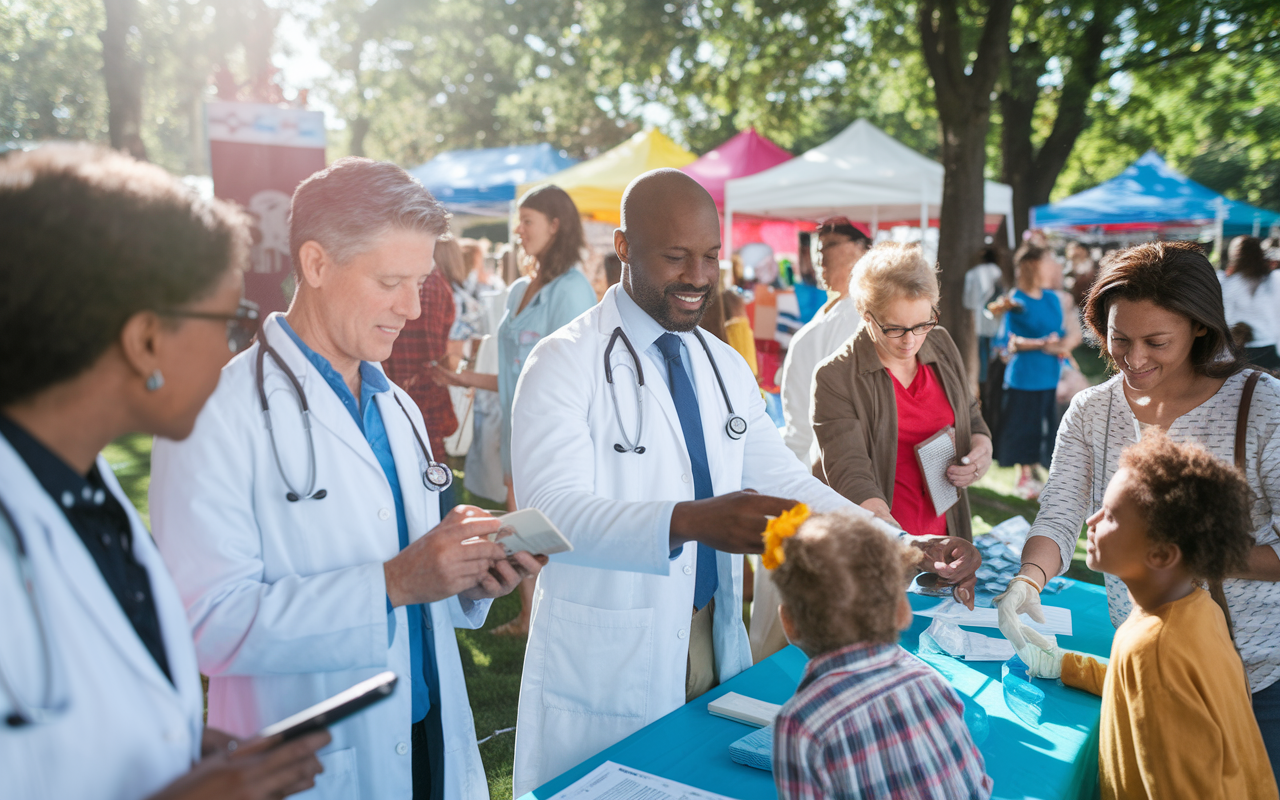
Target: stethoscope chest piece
pixel 437 477
pixel 736 427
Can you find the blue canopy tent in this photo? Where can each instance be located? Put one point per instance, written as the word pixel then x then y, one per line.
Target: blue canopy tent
pixel 1152 195
pixel 483 182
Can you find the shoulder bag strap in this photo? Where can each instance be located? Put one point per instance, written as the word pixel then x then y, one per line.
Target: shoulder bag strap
pixel 1242 430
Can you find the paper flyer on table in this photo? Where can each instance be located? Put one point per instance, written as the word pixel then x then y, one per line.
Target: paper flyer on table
pixel 611 781
pixel 1057 619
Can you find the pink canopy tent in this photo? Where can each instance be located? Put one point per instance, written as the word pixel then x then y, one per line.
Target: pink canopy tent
pixel 746 154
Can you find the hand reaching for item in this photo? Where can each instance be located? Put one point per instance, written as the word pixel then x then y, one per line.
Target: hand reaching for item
pixel 1021 596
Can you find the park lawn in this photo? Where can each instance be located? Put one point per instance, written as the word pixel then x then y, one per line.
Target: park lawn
pixel 493 664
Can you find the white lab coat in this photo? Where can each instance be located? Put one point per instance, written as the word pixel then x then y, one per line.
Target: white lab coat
pixel 127 731
pixel 287 601
pixel 608 645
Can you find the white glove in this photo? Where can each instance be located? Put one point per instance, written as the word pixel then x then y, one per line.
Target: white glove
pixel 1021 596
pixel 1041 654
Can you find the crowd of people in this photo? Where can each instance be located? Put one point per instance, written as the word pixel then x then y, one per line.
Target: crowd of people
pixel 306 533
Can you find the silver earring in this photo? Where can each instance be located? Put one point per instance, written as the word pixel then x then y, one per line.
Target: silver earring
pixel 155 381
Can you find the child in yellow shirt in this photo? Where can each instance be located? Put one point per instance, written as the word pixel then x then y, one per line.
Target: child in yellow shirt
pixel 1176 713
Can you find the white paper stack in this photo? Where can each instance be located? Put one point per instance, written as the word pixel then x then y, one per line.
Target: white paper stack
pixel 746 710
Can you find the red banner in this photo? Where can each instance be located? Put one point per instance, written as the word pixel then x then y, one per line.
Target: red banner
pixel 258 154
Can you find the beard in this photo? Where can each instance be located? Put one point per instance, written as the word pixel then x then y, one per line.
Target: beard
pixel 657 301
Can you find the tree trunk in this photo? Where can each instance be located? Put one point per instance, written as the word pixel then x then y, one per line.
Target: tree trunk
pixel 123 74
pixel 962 93
pixel 1032 173
pixel 359 130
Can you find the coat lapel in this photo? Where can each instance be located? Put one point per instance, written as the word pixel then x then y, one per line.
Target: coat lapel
pixel 327 411
pixel 82 574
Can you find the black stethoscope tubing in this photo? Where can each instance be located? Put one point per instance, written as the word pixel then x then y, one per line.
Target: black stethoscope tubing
pixel 735 427
pixel 436 477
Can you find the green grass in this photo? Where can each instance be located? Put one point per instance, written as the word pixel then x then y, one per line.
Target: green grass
pixel 493 664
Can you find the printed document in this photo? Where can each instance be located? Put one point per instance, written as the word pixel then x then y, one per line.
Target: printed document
pixel 611 781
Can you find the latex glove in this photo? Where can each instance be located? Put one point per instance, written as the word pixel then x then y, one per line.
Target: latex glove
pixel 1021 596
pixel 1041 654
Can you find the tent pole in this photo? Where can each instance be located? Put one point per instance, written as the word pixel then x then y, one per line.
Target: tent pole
pixel 1257 226
pixel 875 221
pixel 726 254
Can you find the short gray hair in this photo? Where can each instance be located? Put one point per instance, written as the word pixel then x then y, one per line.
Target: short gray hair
pixel 347 206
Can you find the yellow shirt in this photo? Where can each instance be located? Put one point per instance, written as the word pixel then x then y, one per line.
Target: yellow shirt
pixel 1177 720
pixel 738 333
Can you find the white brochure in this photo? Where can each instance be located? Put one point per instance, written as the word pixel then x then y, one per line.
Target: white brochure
pixel 611 781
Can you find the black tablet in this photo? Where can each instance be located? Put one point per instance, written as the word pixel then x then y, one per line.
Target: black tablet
pixel 335 709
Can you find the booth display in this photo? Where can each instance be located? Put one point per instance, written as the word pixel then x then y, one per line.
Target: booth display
pixel 483 182
pixel 863 174
pixel 1151 195
pixel 596 186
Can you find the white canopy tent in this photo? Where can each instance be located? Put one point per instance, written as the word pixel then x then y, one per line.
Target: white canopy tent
pixel 863 174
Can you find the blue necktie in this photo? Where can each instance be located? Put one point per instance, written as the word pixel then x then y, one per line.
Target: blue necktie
pixel 686 402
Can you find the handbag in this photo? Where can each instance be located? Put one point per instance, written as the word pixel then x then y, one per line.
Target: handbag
pixel 1242 429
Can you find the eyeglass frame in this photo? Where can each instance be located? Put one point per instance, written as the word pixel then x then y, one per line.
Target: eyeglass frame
pixel 242 324
pixel 897 331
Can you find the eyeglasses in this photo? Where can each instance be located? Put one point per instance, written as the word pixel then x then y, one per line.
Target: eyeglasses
pixel 242 325
pixel 895 332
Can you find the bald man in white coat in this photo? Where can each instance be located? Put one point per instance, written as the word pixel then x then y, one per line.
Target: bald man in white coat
pixel 649 487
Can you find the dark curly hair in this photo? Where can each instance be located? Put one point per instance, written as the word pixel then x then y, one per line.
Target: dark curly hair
pixel 1191 499
pixel 1175 276
pixel 91 237
pixel 842 580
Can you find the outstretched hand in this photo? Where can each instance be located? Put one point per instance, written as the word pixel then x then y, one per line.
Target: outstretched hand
pixel 731 523
pixel 954 560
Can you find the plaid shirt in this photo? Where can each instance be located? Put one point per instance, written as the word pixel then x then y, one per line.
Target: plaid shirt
pixel 422 341
pixel 873 721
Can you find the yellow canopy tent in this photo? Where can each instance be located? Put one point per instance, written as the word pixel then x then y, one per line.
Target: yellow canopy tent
pixel 596 186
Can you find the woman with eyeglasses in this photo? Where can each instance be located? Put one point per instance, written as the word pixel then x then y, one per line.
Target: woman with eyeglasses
pixel 898 381
pixel 120 301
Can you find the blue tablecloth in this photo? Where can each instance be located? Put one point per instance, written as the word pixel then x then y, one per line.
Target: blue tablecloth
pixel 1057 759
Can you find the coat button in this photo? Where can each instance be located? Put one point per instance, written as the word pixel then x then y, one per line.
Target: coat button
pixel 684 478
pixel 384 513
pixel 682 633
pixel 688 570
pixel 402 748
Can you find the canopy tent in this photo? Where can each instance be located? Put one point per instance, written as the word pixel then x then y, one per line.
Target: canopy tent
pixel 743 155
pixel 596 185
pixel 483 182
pixel 1150 194
pixel 863 174
pixel 746 154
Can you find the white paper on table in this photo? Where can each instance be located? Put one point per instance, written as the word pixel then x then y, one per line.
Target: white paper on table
pixel 1057 619
pixel 969 645
pixel 611 781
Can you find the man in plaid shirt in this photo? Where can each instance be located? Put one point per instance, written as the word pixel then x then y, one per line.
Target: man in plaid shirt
pixel 422 341
pixel 868 720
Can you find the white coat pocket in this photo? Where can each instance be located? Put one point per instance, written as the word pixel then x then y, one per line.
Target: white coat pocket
pixel 602 661
pixel 340 777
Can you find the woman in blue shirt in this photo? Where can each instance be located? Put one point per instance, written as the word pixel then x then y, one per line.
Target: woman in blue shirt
pixel 1034 324
pixel 553 292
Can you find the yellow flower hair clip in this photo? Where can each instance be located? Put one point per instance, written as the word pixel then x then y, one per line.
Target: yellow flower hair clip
pixel 781 527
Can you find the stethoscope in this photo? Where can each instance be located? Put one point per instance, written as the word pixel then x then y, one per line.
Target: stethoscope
pixel 735 427
pixel 436 477
pixel 24 713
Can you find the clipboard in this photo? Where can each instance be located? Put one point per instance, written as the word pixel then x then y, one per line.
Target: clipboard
pixel 934 455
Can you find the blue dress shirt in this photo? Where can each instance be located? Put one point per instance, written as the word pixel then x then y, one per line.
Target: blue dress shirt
pixel 426 681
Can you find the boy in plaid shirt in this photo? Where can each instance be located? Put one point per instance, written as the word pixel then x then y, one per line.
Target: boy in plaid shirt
pixel 869 720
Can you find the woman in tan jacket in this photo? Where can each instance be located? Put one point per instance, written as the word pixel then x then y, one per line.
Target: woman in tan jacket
pixel 895 383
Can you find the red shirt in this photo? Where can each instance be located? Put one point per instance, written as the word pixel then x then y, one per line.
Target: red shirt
pixel 422 341
pixel 923 410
